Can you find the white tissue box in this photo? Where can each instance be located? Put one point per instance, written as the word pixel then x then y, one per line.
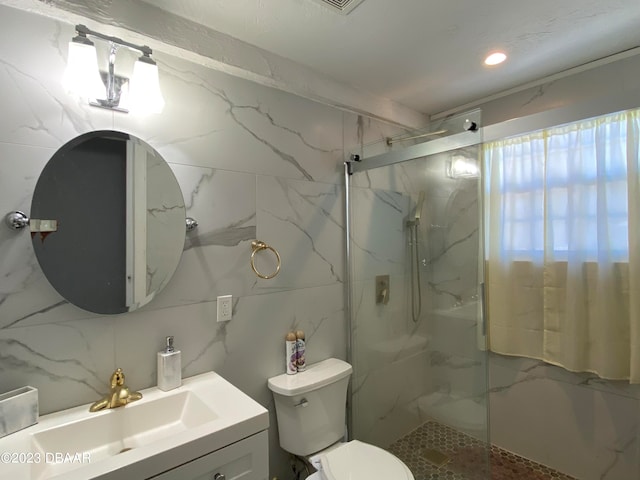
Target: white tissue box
pixel 18 410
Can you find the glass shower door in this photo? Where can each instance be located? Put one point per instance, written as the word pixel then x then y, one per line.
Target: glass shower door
pixel 417 337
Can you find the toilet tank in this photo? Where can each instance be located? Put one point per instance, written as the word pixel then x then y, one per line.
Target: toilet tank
pixel 311 406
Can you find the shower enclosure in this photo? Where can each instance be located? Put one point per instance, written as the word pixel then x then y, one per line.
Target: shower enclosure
pixel 416 334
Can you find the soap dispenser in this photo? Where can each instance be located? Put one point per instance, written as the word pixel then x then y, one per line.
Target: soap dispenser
pixel 169 367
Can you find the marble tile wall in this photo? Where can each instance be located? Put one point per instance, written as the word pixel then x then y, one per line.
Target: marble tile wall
pixel 400 363
pixel 576 423
pixel 252 162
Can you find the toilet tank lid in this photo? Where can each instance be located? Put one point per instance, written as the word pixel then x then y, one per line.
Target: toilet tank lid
pixel 315 376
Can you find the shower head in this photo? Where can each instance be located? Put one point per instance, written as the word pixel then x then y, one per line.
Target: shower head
pixel 418 212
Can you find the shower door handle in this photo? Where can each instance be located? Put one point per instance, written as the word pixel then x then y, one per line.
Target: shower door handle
pixel 483 309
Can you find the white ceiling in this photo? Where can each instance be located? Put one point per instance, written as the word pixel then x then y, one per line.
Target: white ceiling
pixel 427 54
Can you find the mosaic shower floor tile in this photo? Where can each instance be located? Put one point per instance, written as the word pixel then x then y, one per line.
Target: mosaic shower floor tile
pixel 436 452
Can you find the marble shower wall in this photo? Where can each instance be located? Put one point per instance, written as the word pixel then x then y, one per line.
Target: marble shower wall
pixel 400 363
pixel 252 162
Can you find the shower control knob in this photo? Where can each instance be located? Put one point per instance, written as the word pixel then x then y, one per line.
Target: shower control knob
pixel 219 476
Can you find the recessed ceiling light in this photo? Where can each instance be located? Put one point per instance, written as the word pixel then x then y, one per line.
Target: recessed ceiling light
pixel 495 58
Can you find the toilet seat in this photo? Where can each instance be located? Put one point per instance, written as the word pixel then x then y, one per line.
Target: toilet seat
pixel 360 461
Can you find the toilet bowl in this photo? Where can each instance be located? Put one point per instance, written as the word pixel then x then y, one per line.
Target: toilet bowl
pixel 310 410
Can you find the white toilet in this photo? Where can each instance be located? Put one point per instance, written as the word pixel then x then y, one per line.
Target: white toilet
pixel 310 407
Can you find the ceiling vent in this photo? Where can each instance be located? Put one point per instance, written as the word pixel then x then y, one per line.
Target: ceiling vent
pixel 342 6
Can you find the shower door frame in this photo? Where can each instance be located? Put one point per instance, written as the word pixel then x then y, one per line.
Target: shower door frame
pixel 357 164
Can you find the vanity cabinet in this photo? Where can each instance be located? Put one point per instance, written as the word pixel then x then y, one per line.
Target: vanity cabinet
pixel 247 459
pixel 205 429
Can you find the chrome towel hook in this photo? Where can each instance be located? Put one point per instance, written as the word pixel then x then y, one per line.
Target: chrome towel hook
pixel 16 220
pixel 191 224
pixel 257 246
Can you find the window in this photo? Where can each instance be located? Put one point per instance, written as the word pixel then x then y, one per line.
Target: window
pixel 565 188
pixel 562 210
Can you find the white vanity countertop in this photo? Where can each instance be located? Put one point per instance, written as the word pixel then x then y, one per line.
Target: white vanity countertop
pixel 229 416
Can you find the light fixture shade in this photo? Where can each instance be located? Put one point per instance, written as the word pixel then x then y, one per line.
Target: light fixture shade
pixel 144 92
pixel 82 76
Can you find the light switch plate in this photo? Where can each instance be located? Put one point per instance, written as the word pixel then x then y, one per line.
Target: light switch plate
pixel 225 308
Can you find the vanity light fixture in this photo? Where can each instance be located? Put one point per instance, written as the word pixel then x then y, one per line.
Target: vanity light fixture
pixel 144 91
pixel 106 89
pixel 82 75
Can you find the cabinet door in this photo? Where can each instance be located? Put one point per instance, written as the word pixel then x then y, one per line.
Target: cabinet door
pixel 247 459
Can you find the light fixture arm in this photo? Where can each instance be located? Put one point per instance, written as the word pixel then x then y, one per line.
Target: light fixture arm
pixel 84 31
pixel 111 87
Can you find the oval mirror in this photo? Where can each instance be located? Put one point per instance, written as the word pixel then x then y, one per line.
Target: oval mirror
pixel 110 221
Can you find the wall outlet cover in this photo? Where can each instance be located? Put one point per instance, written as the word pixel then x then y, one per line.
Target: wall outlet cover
pixel 224 308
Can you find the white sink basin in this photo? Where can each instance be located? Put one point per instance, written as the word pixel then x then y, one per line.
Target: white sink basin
pixel 121 429
pixel 139 440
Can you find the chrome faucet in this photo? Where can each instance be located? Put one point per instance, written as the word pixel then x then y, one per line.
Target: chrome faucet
pixel 119 395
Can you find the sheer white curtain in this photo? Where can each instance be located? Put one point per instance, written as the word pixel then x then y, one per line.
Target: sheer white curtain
pixel 563 245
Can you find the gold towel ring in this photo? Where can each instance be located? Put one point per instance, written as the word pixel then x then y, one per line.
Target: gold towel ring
pixel 258 245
